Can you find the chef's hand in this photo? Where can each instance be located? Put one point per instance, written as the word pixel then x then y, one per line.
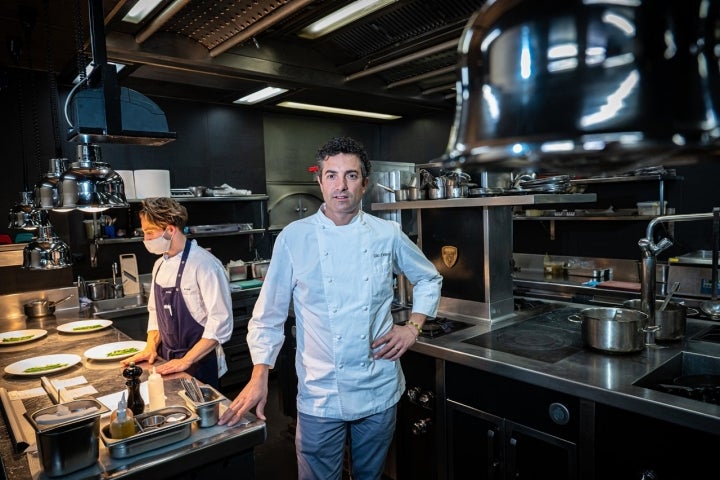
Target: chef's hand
pixel 254 393
pixel 142 356
pixel 173 366
pixel 396 341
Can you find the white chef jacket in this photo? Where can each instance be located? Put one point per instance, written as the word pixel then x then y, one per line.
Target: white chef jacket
pixel 206 292
pixel 340 281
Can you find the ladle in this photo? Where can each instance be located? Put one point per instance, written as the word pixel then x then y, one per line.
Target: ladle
pixel 712 307
pixel 672 291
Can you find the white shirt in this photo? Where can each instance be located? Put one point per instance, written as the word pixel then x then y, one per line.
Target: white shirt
pixel 206 291
pixel 340 279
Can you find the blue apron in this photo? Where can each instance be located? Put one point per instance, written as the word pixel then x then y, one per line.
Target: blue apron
pixel 178 329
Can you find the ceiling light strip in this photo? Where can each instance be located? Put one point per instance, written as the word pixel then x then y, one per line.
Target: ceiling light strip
pixel 441 88
pixel 424 76
pixel 161 19
pixel 259 26
pixel 339 111
pixel 343 16
pixel 403 60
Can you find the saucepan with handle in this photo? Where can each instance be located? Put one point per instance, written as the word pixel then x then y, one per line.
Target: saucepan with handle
pixel 42 307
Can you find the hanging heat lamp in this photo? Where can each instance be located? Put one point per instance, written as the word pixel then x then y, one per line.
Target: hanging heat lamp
pixel 90 184
pixel 46 251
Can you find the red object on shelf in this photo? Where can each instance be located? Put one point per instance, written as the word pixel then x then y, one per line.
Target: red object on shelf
pixel 5 239
pixel 313 169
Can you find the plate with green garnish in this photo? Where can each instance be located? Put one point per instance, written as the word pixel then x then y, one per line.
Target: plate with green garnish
pixel 84 326
pixel 21 336
pixel 115 351
pixel 43 365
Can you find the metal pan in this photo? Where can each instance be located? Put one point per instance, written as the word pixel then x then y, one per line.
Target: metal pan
pixel 42 307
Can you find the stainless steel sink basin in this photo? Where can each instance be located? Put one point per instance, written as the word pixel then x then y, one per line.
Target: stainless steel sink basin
pixel 122 305
pixel 688 374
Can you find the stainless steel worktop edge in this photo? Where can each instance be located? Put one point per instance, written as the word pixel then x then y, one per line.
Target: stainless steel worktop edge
pixel 599 377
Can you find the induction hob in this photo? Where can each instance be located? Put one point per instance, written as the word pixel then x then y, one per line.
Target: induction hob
pixel 547 337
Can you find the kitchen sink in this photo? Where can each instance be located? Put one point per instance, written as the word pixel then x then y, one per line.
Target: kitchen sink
pixel 120 305
pixel 688 374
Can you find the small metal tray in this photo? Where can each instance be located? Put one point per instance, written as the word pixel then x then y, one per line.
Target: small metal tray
pixel 154 437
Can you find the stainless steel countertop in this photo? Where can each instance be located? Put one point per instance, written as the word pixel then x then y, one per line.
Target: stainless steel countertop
pixel 106 377
pixel 596 376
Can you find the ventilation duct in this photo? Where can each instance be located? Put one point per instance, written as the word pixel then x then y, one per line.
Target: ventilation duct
pixel 104 112
pixel 584 86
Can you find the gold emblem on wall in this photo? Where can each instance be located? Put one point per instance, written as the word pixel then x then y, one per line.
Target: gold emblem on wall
pixel 449 255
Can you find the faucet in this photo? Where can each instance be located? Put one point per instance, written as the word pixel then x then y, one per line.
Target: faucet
pixel 650 250
pixel 82 287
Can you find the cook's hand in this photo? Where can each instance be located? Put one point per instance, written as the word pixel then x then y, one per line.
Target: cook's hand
pixel 395 342
pixel 173 366
pixel 254 393
pixel 142 356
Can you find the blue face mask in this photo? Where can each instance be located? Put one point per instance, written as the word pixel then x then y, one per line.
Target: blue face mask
pixel 158 245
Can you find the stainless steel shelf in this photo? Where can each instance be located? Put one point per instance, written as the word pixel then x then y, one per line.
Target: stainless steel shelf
pixel 498 201
pixel 584 218
pixel 111 241
pixel 239 198
pixel 624 178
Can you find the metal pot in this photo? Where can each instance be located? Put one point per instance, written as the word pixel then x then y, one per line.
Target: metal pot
pixel 613 330
pixel 415 193
pixel 671 321
pixel 259 268
pixel 98 290
pixel 436 193
pixel 401 195
pixel 71 444
pixel 42 307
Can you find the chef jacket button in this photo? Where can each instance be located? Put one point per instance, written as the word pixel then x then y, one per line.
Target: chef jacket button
pixel 364 250
pixel 365 308
pixel 329 280
pixel 362 364
pixel 327 253
pixel 340 366
pixel 366 279
pixel 338 337
pixel 334 310
pixel 363 336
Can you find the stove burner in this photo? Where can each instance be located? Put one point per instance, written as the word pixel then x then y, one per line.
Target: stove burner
pixel 532 340
pixel 434 327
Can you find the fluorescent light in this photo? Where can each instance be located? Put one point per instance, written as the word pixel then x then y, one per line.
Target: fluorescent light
pixel 341 111
pixel 260 95
pixel 141 10
pixel 342 17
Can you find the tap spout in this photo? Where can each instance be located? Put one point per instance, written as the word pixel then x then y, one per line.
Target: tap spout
pixel 650 250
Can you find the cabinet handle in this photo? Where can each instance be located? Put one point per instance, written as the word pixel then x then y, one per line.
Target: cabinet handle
pixel 511 459
pixel 493 462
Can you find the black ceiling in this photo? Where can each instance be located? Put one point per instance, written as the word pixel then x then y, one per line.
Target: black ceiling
pixel 399 60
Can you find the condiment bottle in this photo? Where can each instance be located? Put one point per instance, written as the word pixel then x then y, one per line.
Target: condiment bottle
pixel 135 401
pixel 156 389
pixel 123 424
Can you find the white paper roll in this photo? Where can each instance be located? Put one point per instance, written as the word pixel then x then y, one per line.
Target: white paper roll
pixel 129 182
pixel 152 183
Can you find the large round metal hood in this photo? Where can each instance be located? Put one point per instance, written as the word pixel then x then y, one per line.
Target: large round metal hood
pixel 574 85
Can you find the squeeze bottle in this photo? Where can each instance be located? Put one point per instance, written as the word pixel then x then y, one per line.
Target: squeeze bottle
pixel 156 390
pixel 123 425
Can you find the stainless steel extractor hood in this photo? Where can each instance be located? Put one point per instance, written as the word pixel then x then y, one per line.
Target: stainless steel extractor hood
pixel 104 112
pixel 577 86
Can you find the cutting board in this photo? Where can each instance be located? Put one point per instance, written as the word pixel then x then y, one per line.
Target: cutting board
pixel 616 285
pixel 129 273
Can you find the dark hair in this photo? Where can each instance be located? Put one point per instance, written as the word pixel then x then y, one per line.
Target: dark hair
pixel 163 211
pixel 345 145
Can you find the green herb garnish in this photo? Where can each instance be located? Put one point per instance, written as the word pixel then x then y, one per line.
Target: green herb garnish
pixel 17 339
pixel 88 327
pixel 122 351
pixel 44 368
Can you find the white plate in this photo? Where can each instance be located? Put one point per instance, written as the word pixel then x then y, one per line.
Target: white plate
pixel 34 334
pixel 84 326
pixel 102 352
pixel 66 360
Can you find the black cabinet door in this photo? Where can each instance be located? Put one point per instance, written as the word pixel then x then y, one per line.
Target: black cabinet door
pixel 531 454
pixel 475 444
pixel 487 447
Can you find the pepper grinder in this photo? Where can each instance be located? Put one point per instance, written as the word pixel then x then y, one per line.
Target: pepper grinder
pixel 135 401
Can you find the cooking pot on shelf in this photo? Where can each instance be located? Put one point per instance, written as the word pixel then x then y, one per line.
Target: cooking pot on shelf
pixel 42 307
pixel 98 290
pixel 613 330
pixel 671 321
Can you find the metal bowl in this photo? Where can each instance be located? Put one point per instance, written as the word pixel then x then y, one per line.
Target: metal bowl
pixel 198 191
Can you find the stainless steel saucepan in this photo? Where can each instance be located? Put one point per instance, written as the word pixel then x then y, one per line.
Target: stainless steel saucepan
pixel 613 330
pixel 42 307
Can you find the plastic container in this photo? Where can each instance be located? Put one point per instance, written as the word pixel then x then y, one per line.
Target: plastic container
pixel 156 390
pixel 123 425
pixel 650 208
